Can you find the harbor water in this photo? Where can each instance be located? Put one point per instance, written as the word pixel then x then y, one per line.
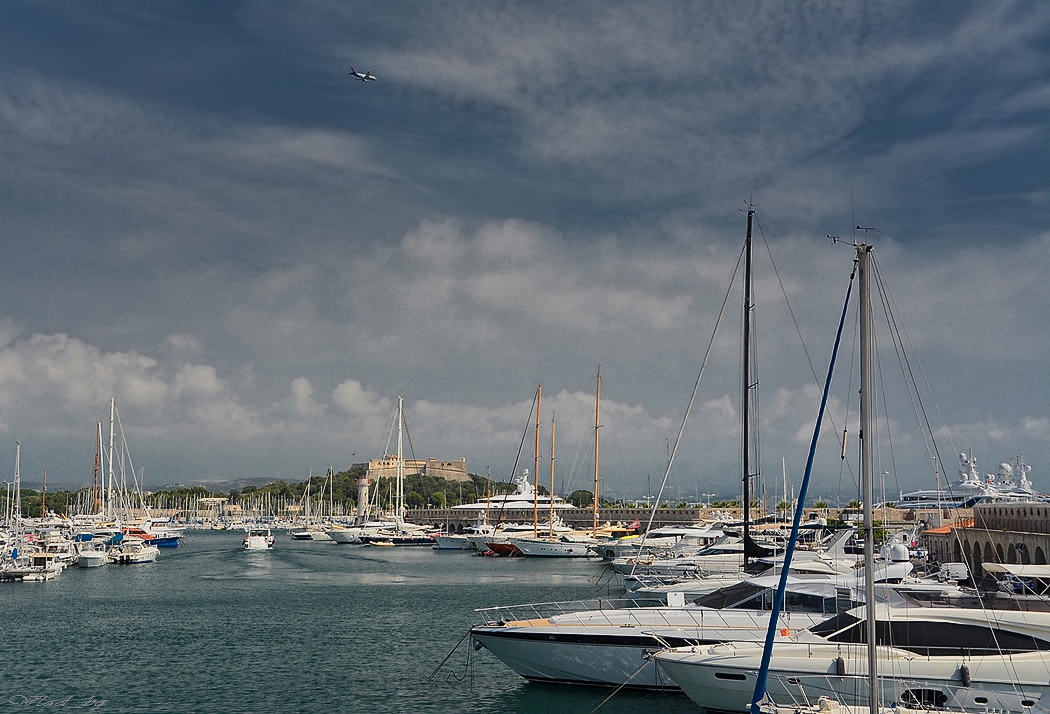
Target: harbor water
pixel 306 627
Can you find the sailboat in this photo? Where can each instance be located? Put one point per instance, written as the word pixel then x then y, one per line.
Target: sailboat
pixel 312 530
pixel 402 533
pixel 943 658
pixel 570 545
pixel 613 645
pixel 729 554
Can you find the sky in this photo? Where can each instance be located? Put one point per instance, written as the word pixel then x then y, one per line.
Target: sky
pixel 207 219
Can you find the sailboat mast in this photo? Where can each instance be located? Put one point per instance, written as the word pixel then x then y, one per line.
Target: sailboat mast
pixel 746 387
pixel 553 430
pixel 400 494
pixel 112 438
pixel 43 496
pixel 98 456
pixel 597 427
pixel 18 481
pixel 536 470
pixel 867 396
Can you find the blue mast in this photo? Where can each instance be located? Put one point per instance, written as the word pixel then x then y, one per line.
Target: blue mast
pixel 778 600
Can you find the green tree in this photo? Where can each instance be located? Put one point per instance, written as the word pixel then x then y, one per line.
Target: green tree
pixel 581 498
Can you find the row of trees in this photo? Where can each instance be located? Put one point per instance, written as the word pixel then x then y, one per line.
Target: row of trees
pixel 421 491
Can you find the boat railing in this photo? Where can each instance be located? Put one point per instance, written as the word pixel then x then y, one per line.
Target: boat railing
pixel 613 613
pixel 542 610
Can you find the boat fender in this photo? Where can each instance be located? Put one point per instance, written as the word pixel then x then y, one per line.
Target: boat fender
pixel 478 645
pixel 840 667
pixel 964 675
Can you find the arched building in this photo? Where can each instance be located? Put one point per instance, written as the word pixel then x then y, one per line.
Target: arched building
pixel 1014 533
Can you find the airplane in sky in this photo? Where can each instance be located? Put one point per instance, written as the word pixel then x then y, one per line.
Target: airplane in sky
pixel 363 76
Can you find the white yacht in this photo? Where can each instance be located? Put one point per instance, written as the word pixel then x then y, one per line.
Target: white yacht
pixel 354 533
pixel 258 539
pixel 131 550
pixel 610 643
pixel 467 540
pixel 1010 483
pixel 943 657
pixel 524 497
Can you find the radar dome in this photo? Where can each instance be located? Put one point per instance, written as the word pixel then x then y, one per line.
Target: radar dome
pixel 899 553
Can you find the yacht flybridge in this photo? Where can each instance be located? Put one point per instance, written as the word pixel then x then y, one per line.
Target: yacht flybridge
pixel 523 497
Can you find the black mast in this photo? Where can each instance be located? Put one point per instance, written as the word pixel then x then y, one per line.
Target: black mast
pixel 746 388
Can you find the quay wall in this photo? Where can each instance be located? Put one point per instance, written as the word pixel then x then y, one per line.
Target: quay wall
pixel 583 518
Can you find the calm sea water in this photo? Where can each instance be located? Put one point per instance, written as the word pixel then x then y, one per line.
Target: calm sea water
pixel 307 627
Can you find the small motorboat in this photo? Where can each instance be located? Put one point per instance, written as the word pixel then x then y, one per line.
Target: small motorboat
pixel 258 539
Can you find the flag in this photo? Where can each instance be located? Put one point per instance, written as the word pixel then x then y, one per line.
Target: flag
pixel 634 524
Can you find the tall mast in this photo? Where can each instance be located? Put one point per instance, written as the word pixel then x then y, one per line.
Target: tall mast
pixel 553 428
pixel 98 455
pixel 112 436
pixel 746 386
pixel 536 471
pixel 18 481
pixel 867 462
pixel 400 494
pixel 43 496
pixel 597 427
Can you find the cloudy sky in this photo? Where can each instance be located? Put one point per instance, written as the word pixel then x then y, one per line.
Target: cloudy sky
pixel 205 217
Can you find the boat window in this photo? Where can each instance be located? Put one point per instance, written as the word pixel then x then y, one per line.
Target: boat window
pixel 929 638
pixel 731 596
pixel 735 676
pixel 924 698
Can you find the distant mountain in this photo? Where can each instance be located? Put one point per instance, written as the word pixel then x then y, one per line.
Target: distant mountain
pixel 222 486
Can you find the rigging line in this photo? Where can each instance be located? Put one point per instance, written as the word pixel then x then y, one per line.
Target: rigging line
pixel 889 436
pixel 514 468
pixel 783 291
pixel 689 407
pixel 408 436
pixel 894 326
pixel 436 669
pixel 621 685
pixel 896 335
pixel 389 435
pixel 794 320
pixel 912 381
pixel 844 463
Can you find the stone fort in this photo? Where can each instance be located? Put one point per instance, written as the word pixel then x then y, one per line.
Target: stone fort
pixel 387 468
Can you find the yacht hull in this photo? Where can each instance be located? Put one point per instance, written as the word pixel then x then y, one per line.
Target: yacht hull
pixel 614 647
pixel 722 677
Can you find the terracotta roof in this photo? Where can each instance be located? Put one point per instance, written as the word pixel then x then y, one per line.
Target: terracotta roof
pixel 943 530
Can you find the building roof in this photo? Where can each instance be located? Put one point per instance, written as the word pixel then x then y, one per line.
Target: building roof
pixel 944 530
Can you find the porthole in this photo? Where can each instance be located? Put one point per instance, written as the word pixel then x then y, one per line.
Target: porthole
pixel 731 676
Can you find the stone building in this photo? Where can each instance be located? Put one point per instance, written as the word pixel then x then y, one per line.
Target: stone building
pixel 387 468
pixel 1015 533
